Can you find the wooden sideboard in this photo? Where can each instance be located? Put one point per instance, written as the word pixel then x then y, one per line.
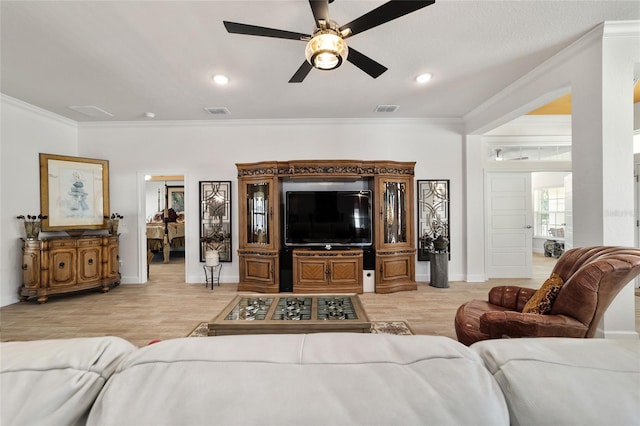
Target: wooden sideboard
pixel 68 264
pixel 327 271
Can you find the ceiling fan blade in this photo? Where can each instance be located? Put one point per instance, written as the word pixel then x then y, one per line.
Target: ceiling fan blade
pixel 302 72
pixel 320 9
pixel 385 13
pixel 365 63
pixel 236 28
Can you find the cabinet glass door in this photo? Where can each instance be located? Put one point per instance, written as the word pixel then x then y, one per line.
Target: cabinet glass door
pixel 258 211
pixel 394 214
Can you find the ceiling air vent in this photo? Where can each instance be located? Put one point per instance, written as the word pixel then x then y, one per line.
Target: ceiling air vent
pixel 387 108
pixel 91 111
pixel 217 111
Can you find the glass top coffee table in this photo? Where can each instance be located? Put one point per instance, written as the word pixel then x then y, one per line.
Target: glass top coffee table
pixel 291 313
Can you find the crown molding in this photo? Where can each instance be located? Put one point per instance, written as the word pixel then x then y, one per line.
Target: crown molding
pixel 449 122
pixel 37 110
pixel 612 29
pixel 587 40
pixel 606 29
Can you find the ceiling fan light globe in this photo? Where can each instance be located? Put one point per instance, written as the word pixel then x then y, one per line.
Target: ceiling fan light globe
pixel 326 51
pixel 326 60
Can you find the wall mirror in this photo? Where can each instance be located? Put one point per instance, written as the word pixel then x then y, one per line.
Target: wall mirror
pixel 433 217
pixel 215 219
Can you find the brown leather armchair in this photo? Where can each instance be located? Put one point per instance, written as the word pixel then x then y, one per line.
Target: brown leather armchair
pixel 592 276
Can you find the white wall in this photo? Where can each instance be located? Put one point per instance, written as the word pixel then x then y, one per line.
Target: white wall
pixel 209 150
pixel 598 69
pixel 26 131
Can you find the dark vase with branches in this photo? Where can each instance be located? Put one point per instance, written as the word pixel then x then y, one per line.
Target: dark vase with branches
pixel 32 225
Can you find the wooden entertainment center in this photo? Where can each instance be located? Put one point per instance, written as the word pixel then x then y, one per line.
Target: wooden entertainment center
pixel 266 261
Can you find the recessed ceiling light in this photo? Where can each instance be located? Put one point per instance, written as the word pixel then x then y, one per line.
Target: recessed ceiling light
pixel 149 115
pixel 220 79
pixel 423 78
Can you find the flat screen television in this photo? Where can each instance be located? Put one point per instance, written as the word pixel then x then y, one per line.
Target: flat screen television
pixel 318 218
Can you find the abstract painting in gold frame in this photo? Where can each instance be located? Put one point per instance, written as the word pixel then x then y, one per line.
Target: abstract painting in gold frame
pixel 74 192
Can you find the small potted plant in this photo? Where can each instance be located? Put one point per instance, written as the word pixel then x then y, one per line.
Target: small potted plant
pixel 214 242
pixel 114 221
pixel 32 225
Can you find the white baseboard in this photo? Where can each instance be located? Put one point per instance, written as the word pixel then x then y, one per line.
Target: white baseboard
pixel 130 280
pixel 452 277
pixel 477 278
pixel 629 335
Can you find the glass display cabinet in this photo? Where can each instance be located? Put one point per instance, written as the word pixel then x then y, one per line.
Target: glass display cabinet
pixel 394 214
pixel 258 213
pixel 259 236
pixel 395 251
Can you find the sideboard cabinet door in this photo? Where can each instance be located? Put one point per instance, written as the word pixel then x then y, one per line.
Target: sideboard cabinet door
pixel 259 272
pixel 89 260
pixel 31 267
pixel 62 264
pixel 111 258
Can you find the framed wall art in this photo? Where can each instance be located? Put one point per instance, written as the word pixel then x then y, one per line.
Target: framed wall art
pixel 433 217
pixel 175 198
pixel 215 219
pixel 74 192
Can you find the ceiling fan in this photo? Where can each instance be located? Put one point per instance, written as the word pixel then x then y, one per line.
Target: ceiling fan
pixel 326 48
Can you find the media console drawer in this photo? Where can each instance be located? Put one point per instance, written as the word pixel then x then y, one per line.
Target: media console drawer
pixel 322 271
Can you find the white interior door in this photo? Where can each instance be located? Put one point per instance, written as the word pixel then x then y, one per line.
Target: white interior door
pixel 509 227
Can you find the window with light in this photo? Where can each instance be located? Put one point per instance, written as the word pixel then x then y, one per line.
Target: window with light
pixel 549 212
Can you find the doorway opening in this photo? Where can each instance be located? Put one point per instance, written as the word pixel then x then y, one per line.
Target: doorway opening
pixel 164 212
pixel 526 213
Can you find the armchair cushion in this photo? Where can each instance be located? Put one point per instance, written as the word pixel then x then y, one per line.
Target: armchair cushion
pixel 498 324
pixel 510 297
pixel 542 300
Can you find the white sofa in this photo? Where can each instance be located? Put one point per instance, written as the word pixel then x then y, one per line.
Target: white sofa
pixel 320 379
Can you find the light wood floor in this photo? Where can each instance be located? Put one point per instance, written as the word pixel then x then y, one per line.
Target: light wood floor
pixel 167 308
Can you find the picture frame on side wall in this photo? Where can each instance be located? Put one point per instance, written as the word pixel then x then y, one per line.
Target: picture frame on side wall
pixel 175 198
pixel 433 217
pixel 215 219
pixel 74 192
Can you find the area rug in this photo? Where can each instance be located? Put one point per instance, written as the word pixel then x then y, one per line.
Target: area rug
pixel 380 327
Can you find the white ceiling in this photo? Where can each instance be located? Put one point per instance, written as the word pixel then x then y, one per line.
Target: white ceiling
pixel 130 57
